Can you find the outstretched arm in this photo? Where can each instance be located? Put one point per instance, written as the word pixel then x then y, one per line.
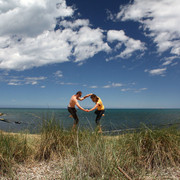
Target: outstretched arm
pixel 93 108
pixel 77 104
pixel 81 99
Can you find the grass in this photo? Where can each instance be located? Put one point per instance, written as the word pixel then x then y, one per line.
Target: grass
pixel 92 155
pixel 13 149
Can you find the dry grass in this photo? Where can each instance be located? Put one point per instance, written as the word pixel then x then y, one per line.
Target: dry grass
pixel 93 156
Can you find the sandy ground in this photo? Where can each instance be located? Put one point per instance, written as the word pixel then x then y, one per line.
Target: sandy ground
pixel 54 170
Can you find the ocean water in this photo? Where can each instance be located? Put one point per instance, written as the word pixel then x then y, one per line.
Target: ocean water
pixel 24 119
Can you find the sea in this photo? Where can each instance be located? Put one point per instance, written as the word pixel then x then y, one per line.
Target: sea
pixel 31 119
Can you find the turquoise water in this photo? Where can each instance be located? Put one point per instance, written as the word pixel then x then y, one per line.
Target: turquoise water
pixel 30 119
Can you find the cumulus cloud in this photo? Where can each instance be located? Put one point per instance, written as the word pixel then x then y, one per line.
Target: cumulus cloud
pixel 50 47
pixel 87 46
pixel 131 45
pixel 47 48
pixel 159 18
pixel 31 17
pixel 29 39
pixel 74 24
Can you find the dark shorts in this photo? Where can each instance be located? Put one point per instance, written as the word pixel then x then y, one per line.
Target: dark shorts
pixel 99 114
pixel 73 113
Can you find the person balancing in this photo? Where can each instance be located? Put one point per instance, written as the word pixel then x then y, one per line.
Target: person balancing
pixel 74 102
pixel 99 112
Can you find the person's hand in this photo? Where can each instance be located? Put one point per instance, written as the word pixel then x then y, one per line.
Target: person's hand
pixel 86 110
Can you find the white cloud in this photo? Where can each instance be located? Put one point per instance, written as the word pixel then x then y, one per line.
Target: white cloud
pixel 133 90
pixel 174 64
pixel 169 60
pixel 31 17
pixel 140 90
pixel 160 71
pixel 125 89
pixel 161 18
pixel 32 41
pixel 131 45
pixel 88 42
pixel 114 35
pixel 107 86
pixel 167 63
pixel 113 85
pixel 58 74
pixel 18 81
pixel 47 48
pixel 27 38
pixel 76 24
pixel 117 84
pixel 93 87
pixel 34 80
pixel 130 87
pixel 15 82
pixel 50 47
pixel 68 83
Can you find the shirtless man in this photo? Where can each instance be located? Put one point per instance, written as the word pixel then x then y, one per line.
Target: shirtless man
pixel 74 102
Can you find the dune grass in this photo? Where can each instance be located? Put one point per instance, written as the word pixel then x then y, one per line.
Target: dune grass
pixel 92 155
pixel 13 149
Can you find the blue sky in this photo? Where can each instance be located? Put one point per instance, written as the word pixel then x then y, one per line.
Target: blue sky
pixel 126 52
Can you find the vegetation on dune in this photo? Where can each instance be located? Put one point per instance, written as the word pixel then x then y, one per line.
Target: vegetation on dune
pixel 13 149
pixel 93 155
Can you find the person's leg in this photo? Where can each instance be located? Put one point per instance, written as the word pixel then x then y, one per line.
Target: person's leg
pixel 98 117
pixel 76 121
pixel 74 115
